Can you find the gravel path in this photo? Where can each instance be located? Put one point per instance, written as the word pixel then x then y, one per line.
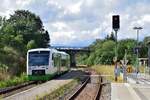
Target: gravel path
pixel 106 92
pixel 88 93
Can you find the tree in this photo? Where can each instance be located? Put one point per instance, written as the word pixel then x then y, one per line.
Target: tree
pixel 110 37
pixel 31 44
pixel 147 43
pixel 22 31
pixel 128 45
pixel 27 24
pixel 103 51
pixel 147 40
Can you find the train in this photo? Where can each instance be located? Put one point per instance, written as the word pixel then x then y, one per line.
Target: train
pixel 45 63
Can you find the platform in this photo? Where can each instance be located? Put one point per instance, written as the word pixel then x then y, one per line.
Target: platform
pixel 45 88
pixel 123 91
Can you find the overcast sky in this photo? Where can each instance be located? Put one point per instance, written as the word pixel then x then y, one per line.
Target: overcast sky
pixel 80 22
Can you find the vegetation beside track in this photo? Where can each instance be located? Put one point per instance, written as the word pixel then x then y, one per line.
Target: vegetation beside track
pixel 60 91
pixel 107 70
pixel 14 81
pixel 23 30
pixel 103 51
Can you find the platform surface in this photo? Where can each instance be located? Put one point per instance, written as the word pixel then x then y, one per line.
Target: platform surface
pixel 123 91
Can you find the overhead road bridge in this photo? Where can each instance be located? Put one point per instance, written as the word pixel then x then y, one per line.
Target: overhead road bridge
pixel 72 51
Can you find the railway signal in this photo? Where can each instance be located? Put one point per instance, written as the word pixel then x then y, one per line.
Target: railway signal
pixel 116 22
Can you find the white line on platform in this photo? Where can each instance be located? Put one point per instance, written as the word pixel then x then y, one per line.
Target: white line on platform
pixel 133 93
pixel 98 75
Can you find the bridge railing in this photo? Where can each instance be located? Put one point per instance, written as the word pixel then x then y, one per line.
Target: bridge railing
pixel 70 48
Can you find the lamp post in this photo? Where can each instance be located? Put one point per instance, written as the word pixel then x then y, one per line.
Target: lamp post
pixel 137 51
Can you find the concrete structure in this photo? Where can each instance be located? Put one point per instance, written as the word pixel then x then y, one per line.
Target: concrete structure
pixel 143 61
pixel 123 91
pixel 132 90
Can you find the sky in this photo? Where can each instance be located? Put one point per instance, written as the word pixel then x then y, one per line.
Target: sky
pixel 80 22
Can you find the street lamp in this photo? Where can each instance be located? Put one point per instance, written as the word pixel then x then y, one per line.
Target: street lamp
pixel 137 30
pixel 137 51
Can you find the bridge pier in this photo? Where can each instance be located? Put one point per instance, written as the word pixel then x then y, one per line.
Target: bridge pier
pixel 72 59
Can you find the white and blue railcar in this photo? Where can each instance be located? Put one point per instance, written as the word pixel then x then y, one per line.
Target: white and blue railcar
pixel 44 63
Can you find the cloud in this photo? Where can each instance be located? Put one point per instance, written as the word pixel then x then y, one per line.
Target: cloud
pixel 75 8
pixel 7 7
pixel 93 20
pixel 79 22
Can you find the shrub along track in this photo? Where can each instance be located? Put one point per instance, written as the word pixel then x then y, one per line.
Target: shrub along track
pixel 4 92
pixel 8 91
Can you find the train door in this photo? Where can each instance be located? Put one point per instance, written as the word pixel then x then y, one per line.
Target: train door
pixel 56 61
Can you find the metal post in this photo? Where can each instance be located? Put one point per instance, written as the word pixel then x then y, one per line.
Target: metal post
pixel 125 66
pixel 137 63
pixel 116 56
pixel 137 36
pixel 116 47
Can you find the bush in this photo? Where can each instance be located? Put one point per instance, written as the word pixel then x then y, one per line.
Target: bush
pixel 14 81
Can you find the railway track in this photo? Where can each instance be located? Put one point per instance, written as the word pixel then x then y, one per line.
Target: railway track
pixel 99 90
pixel 97 94
pixel 79 90
pixel 4 92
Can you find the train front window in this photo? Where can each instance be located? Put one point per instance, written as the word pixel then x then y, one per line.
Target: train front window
pixel 39 58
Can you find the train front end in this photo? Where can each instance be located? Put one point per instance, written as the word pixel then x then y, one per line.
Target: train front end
pixel 38 63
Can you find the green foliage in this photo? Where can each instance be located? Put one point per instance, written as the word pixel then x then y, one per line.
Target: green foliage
pixel 111 37
pixel 128 45
pixel 147 40
pixel 14 81
pixel 22 31
pixel 31 44
pixel 60 91
pixel 103 51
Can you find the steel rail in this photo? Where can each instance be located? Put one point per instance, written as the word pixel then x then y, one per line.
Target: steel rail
pixel 99 90
pixel 72 97
pixel 13 88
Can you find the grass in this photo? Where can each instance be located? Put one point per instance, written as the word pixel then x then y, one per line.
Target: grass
pixel 60 91
pixel 14 81
pixel 107 70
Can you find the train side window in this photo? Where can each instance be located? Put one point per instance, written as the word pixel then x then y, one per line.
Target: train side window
pixel 56 60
